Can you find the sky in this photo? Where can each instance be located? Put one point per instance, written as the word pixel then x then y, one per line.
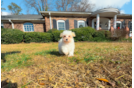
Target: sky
pixel 125 6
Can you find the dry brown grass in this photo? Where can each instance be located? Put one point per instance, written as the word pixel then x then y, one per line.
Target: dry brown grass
pixel 112 61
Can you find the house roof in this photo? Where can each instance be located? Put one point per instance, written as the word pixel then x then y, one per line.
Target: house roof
pixel 22 17
pixel 62 13
pixel 106 12
pixel 126 16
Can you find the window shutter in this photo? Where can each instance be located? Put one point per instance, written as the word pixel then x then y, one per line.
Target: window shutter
pixel 130 29
pixel 123 24
pixel 67 24
pixel 54 24
pixel 85 23
pixel 75 23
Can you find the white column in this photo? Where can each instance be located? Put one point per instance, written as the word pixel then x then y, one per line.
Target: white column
pixel 109 23
pixel 98 22
pixel 93 23
pixel 50 20
pixel 12 26
pixel 11 23
pixel 115 17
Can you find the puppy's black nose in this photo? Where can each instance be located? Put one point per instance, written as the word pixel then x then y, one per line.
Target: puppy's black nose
pixel 66 39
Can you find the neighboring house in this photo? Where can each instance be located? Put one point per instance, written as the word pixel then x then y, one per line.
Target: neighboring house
pixel 107 19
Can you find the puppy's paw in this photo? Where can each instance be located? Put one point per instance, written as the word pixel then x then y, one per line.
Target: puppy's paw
pixel 70 55
pixel 66 54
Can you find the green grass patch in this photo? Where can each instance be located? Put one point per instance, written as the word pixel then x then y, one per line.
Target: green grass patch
pixel 74 59
pixel 15 60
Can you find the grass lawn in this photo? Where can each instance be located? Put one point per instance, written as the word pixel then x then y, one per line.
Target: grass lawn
pixel 39 65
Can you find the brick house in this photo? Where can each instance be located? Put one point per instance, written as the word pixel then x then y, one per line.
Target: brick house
pixel 107 19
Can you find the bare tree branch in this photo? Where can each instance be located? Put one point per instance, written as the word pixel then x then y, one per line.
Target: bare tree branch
pixel 37 5
pixel 74 5
pixel 82 6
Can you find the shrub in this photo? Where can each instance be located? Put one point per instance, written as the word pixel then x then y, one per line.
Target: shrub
pixel 99 33
pixel 3 30
pixel 9 36
pixel 107 34
pixel 37 37
pixel 84 34
pixel 51 30
pixel 56 35
pixel 119 34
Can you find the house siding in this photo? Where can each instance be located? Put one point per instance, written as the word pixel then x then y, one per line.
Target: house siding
pixel 71 21
pixel 45 26
pixel 38 27
pixel 7 25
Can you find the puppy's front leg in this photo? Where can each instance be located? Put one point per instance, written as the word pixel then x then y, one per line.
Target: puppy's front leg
pixel 65 51
pixel 71 53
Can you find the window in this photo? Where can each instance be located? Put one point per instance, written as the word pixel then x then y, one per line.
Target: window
pixel 96 25
pixel 61 25
pixel 81 24
pixel 28 27
pixel 118 24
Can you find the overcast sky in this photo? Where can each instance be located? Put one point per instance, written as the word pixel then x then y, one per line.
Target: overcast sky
pixel 124 5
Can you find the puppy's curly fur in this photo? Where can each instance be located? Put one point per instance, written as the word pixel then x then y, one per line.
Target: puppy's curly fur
pixel 66 43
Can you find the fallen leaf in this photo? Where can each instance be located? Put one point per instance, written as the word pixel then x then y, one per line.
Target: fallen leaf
pixel 42 83
pixel 101 79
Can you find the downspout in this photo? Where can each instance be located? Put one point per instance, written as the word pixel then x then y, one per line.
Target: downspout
pixel 50 20
pixel 11 23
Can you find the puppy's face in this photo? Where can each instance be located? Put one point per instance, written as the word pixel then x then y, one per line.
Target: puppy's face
pixel 67 36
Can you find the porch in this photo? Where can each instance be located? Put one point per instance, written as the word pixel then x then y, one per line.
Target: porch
pixel 106 19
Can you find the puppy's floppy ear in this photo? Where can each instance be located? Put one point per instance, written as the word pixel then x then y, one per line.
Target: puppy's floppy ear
pixel 61 34
pixel 73 34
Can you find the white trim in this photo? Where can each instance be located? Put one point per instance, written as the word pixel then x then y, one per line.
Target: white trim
pixel 98 22
pixel 115 18
pixel 120 24
pixel 109 24
pixel 61 21
pixel 50 20
pixel 24 28
pixel 80 21
pixel 11 23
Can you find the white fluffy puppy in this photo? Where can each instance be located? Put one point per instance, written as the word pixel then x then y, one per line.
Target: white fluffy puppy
pixel 66 43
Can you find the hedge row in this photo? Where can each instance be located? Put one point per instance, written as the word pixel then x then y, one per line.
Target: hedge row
pixel 37 37
pixel 9 36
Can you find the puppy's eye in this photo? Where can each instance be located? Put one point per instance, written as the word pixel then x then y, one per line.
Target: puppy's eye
pixel 64 36
pixel 69 36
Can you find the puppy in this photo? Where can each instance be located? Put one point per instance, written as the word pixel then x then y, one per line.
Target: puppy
pixel 66 43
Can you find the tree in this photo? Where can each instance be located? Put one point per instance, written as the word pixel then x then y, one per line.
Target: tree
pixel 74 5
pixel 38 5
pixel 14 8
pixel 1 5
pixel 82 6
pixel 64 5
